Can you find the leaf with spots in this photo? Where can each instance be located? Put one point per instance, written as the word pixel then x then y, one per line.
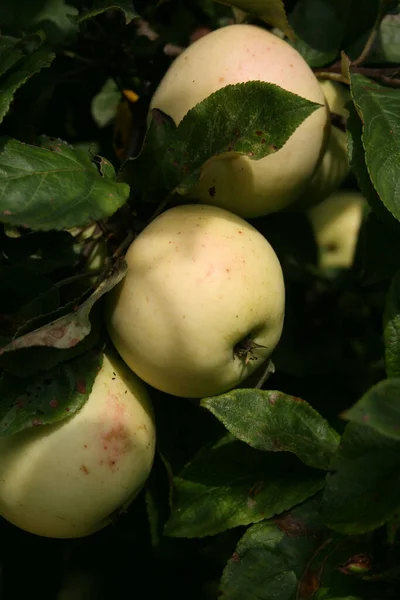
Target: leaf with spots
pixel 54 187
pixel 275 422
pixel 363 493
pixel 379 408
pixel 231 484
pixel 47 398
pixel 67 331
pixel 292 557
pixel 270 11
pixel 253 118
pixel 391 329
pixel 379 110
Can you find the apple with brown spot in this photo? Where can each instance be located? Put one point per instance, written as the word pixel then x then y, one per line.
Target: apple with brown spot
pixel 202 304
pixel 68 479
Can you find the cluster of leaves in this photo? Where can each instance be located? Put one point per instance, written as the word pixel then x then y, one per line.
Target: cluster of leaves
pixel 257 493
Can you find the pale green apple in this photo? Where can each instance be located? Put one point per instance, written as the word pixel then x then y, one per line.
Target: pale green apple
pixel 202 304
pixel 236 54
pixel 336 223
pixel 68 479
pixel 335 165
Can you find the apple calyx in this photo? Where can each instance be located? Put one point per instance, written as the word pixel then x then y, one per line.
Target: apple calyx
pixel 245 349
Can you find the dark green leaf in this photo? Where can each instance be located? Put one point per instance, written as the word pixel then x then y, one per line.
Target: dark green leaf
pixel 364 492
pixel 275 422
pixel 231 484
pixel 392 328
pixel 54 188
pixel 105 103
pixel 379 408
pixel 24 69
pixel 69 330
pixel 379 109
pixel 271 11
pixel 11 53
pixel 48 398
pixel 40 251
pixel 101 6
pixel 320 27
pixel 25 293
pixel 53 16
pixel 291 558
pixel 229 120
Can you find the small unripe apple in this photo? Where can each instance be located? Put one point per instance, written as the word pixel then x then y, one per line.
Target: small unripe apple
pixel 335 165
pixel 67 479
pixel 236 54
pixel 336 223
pixel 202 304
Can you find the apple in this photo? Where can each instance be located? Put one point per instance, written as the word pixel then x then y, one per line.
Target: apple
pixel 235 54
pixel 202 303
pixel 98 253
pixel 68 479
pixel 335 165
pixel 336 223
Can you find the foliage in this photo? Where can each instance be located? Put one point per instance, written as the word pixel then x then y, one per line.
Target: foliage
pixel 288 492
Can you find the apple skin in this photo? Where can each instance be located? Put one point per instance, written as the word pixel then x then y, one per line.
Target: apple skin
pixel 335 165
pixel 200 280
pixel 236 54
pixel 336 223
pixel 66 480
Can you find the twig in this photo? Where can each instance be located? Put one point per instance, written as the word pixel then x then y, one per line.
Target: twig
pixel 269 370
pixel 74 278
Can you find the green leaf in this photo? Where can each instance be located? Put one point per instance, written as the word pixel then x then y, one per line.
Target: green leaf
pixel 252 118
pixel 105 103
pixel 356 153
pixel 379 408
pixel 292 557
pixel 11 53
pixel 320 27
pixel 231 484
pixel 101 6
pixel 67 331
pixel 364 491
pixel 54 188
pixel 270 11
pixel 379 110
pixel 48 398
pixel 53 16
pixel 275 422
pixel 391 330
pixel 24 69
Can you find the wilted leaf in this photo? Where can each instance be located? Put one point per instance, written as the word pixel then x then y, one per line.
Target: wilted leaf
pixel 275 422
pixel 53 16
pixel 252 118
pixel 231 484
pixel 392 328
pixel 379 408
pixel 271 11
pixel 105 103
pixel 24 68
pixel 100 6
pixel 69 330
pixel 364 492
pixel 379 109
pixel 54 188
pixel 48 398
